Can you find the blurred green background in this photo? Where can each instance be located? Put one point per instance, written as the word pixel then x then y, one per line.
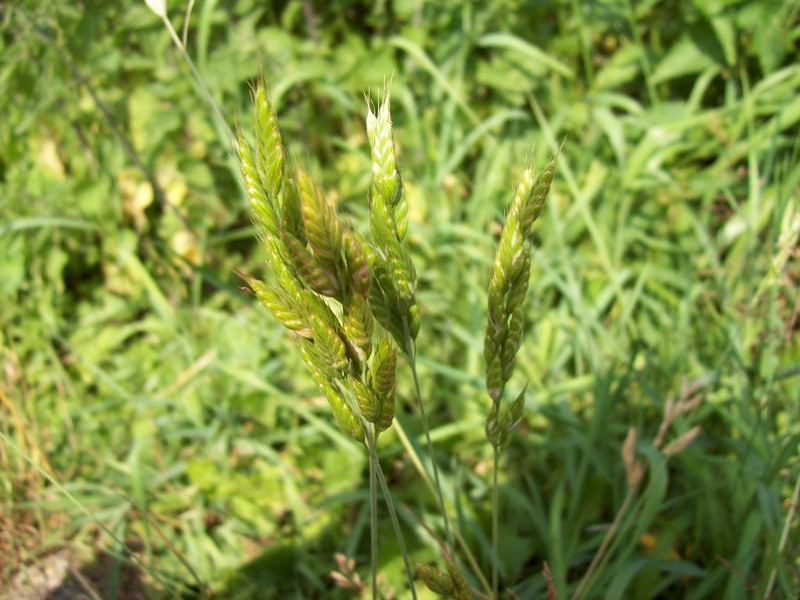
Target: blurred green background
pixel 158 427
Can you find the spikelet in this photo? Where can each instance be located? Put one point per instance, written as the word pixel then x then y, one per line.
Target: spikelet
pixel 508 284
pixel 394 277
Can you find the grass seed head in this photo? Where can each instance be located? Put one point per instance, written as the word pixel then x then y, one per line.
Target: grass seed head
pixel 508 284
pixel 385 177
pixel 436 580
pixel 314 256
pixel 394 276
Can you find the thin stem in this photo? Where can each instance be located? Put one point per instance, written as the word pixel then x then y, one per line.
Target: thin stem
pixel 414 456
pixel 413 364
pixel 495 523
pixel 203 89
pixel 373 527
pixel 601 551
pixel 784 535
pixel 373 455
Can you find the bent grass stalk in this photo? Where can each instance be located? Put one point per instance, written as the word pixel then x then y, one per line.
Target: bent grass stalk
pixel 635 469
pixel 321 291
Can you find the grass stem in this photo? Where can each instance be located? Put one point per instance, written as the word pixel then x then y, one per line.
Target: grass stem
pixel 495 522
pixel 376 467
pixel 440 497
pixel 373 526
pixel 204 91
pixel 462 544
pixel 601 551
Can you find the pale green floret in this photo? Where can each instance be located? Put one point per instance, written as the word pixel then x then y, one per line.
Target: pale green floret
pixel 321 224
pixel 385 178
pixel 394 276
pixel 269 155
pixel 263 207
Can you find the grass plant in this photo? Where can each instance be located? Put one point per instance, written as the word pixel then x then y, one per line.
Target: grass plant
pixel 156 424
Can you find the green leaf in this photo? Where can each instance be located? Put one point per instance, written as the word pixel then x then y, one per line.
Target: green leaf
pixel 685 57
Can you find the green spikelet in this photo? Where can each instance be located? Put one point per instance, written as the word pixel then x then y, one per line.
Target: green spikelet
pixel 291 217
pixel 358 326
pixel 368 402
pixel 538 196
pixel 508 284
pixel 262 204
pixel 500 427
pixel 269 149
pixel 321 225
pixel 436 580
pixel 282 306
pixel 382 379
pixel 450 584
pixel 385 177
pixel 344 416
pixel 394 276
pixel 357 264
pixel 315 275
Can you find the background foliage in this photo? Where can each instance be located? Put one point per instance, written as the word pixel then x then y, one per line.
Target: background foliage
pixel 157 422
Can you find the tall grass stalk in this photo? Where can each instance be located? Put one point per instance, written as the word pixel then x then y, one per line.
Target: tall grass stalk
pixel 508 284
pixel 635 469
pixel 323 291
pixel 394 276
pixel 378 471
pixel 410 353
